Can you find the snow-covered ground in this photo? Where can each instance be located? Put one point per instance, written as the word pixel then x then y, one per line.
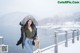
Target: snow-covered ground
pixel 72 48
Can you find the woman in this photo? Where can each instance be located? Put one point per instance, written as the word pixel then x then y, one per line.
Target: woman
pixel 29 32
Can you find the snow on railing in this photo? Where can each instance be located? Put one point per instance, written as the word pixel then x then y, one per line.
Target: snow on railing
pixel 65 41
pixel 3 47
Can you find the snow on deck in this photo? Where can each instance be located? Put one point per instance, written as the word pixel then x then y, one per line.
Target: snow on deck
pixel 72 48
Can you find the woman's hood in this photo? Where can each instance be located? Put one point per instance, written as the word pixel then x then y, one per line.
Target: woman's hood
pixel 23 22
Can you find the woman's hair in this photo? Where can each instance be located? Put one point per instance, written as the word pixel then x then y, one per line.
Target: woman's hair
pixel 32 25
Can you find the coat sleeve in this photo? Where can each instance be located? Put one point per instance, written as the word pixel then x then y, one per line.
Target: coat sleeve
pixel 21 38
pixel 35 35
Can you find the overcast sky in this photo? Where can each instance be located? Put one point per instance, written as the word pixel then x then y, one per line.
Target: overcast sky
pixel 41 8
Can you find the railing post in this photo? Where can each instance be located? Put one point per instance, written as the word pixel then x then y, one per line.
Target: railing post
pixel 1 40
pixel 73 36
pixel 56 43
pixel 66 36
pixel 78 34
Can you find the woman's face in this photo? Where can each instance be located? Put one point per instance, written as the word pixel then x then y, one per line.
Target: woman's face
pixel 29 22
